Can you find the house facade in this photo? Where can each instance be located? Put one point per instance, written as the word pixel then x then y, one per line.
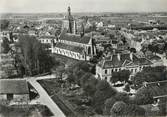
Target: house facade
pixel 14 91
pixel 47 39
pixel 118 62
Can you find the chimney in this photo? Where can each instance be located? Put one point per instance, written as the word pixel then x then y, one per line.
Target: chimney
pixel 114 51
pixel 118 56
pixel 131 56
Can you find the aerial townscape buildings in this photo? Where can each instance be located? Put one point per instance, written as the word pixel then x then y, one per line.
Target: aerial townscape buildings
pixel 73 45
pixel 83 64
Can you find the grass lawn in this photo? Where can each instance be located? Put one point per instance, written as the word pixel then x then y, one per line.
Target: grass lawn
pixel 52 87
pixel 68 101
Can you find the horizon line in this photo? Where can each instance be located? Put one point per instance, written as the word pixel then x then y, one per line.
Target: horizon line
pixel 84 12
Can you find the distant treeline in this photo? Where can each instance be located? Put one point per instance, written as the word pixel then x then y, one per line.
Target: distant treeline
pixel 164 27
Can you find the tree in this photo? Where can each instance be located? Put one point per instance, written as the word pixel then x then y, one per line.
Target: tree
pixel 5 45
pixel 59 71
pixel 162 107
pixel 4 24
pixel 153 48
pixel 90 86
pixel 133 110
pixel 122 75
pixel 108 105
pixel 127 88
pixel 84 79
pixel 71 79
pixel 93 27
pixel 103 85
pixel 143 96
pixel 118 109
pixel 122 109
pixel 150 74
pixel 144 48
pixel 34 57
pixel 122 96
pixel 104 91
pixel 115 77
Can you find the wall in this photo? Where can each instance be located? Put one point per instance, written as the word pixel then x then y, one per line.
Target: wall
pixel 21 98
pixel 2 97
pixel 68 53
pixel 24 98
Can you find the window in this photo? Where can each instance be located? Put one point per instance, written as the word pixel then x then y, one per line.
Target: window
pixel 105 78
pixel 106 71
pixel 112 70
pixel 135 70
pixel 132 70
pixel 9 97
pixel 115 70
pixel 140 68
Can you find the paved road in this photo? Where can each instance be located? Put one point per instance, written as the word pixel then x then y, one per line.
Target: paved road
pixel 44 98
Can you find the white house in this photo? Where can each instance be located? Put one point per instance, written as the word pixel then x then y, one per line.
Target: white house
pixel 118 62
pixel 47 39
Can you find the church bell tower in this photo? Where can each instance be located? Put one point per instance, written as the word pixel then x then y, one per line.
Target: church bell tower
pixel 70 20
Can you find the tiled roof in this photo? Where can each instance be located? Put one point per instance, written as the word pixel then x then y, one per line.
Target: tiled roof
pixel 125 60
pixel 47 36
pixel 70 47
pixel 75 38
pixel 13 86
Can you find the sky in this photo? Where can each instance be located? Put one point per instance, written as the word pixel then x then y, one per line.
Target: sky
pixel 36 6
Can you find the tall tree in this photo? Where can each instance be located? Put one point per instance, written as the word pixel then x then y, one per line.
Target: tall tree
pixel 5 45
pixel 34 57
pixel 104 91
pixel 108 105
pixel 122 75
pixel 4 24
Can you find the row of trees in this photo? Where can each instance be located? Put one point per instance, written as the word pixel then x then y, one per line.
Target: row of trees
pixel 155 47
pixel 122 76
pixel 31 57
pixel 149 74
pixel 145 95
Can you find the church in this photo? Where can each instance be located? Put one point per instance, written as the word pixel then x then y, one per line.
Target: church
pixel 72 44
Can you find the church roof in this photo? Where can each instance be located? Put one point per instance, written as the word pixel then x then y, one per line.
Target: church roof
pixel 70 47
pixel 75 38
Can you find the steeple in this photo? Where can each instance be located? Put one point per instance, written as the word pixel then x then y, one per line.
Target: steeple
pixel 70 20
pixel 69 11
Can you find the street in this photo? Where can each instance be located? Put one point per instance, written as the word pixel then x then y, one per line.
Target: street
pixel 44 98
